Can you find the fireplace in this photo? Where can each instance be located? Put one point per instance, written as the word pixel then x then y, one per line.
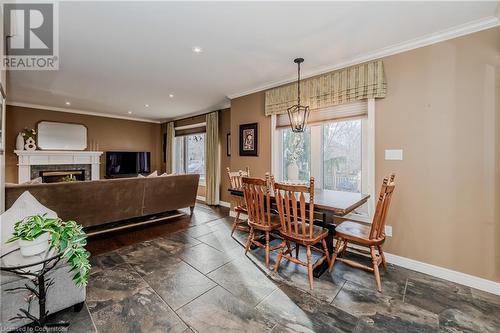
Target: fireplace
pixel 55 176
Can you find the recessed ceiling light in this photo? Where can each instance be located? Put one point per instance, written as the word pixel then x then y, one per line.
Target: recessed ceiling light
pixel 146 105
pixel 197 49
pixel 67 103
pixel 171 95
pixel 129 112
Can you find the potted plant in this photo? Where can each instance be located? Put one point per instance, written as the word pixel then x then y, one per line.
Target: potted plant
pixel 36 233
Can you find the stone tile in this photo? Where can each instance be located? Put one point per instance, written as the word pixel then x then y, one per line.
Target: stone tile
pixel 455 320
pixel 178 283
pixel 297 311
pixel 175 242
pixel 103 261
pixel 201 216
pixel 143 311
pixel 382 312
pixel 204 258
pixel 147 256
pixel 244 280
pixel 112 285
pixel 435 294
pixel 221 241
pixel 219 311
pixel 80 322
pixel 485 297
pixel 296 276
pixel 393 281
pixel 198 230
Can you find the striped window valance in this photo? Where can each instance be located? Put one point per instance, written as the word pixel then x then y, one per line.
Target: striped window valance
pixel 338 87
pixel 357 109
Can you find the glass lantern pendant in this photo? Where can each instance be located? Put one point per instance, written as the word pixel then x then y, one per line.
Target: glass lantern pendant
pixel 297 113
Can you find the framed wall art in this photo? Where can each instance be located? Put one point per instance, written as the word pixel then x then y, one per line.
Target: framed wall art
pixel 248 139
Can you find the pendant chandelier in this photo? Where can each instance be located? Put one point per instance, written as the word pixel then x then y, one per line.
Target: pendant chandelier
pixel 297 113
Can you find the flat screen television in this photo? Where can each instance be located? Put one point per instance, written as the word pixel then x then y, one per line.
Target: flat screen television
pixel 126 163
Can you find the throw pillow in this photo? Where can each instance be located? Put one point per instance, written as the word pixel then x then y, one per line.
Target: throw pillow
pixel 153 174
pixel 26 205
pixel 37 180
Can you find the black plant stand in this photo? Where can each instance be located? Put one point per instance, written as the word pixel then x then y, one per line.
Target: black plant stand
pixel 39 289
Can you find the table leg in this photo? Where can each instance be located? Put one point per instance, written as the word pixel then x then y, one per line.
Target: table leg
pixel 318 271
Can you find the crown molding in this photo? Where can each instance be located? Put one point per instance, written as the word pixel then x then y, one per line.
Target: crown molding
pixel 457 31
pixel 84 112
pixel 225 105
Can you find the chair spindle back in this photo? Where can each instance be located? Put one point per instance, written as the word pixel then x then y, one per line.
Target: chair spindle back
pixel 291 202
pixel 236 176
pixel 258 199
pixel 384 199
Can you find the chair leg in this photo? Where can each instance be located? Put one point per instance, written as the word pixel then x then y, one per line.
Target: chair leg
pixel 375 262
pixel 249 241
pixel 309 266
pixel 297 248
pixel 280 255
pixel 327 254
pixel 344 249
pixel 235 223
pixel 334 255
pixel 267 249
pixel 382 256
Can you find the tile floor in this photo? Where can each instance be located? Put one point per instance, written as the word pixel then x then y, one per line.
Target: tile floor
pixel 199 280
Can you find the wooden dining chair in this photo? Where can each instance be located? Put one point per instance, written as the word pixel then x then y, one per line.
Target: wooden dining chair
pixel 297 225
pixel 235 181
pixel 258 203
pixel 364 235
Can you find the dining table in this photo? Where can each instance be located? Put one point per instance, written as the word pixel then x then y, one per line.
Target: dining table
pixel 329 206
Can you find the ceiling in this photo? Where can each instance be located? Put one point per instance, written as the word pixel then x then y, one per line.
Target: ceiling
pixel 115 57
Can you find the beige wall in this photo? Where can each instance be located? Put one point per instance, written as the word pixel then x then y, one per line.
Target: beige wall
pixel 109 133
pixel 244 110
pixel 442 109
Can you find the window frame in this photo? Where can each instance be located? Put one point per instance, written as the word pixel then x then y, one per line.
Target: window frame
pixel 202 181
pixel 367 160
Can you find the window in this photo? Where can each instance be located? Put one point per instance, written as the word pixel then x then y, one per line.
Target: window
pixel 190 155
pixel 334 150
pixel 342 155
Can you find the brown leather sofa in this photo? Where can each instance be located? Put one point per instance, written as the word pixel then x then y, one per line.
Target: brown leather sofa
pixel 94 203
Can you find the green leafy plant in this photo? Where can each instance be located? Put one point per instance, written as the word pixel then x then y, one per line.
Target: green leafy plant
pixel 69 179
pixel 68 237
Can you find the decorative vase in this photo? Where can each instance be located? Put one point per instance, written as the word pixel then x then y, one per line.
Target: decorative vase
pixel 20 142
pixel 35 246
pixel 30 144
pixel 293 171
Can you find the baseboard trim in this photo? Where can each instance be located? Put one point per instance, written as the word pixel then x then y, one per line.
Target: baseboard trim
pixel 436 271
pixel 225 204
pixel 221 203
pixel 445 273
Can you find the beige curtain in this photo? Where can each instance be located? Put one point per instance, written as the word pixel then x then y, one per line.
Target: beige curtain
pixel 212 159
pixel 329 89
pixel 169 147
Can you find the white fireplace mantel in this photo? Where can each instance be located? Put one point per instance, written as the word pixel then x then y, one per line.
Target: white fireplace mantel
pixel 28 158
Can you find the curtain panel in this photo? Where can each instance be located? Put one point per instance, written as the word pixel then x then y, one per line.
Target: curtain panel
pixel 338 87
pixel 169 147
pixel 212 158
